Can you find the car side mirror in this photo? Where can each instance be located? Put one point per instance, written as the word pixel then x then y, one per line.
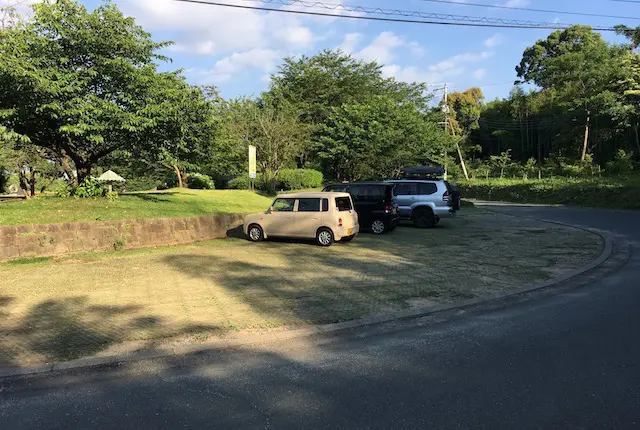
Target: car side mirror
pixel 269 211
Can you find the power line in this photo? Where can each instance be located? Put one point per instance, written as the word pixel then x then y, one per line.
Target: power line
pixel 627 1
pixel 407 13
pixel 559 12
pixel 453 19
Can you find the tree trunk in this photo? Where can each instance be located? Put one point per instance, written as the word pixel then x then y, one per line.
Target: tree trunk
pixel 32 183
pixel 24 185
pixel 635 129
pixel 586 137
pixel 179 176
pixel 83 171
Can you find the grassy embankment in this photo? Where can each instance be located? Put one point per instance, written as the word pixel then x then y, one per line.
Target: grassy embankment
pixel 173 203
pixel 614 193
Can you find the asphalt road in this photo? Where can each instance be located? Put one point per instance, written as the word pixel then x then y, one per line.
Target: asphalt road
pixel 568 360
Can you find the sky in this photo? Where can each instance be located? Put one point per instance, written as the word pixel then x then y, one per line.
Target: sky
pixel 237 50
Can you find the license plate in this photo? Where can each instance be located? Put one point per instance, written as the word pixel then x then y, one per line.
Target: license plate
pixel 350 231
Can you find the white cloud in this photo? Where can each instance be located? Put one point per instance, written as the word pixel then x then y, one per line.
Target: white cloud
pixel 441 71
pixel 479 74
pixel 493 41
pixel 350 42
pixel 263 60
pixel 381 49
pixel 207 30
pixel 516 3
pixel 455 61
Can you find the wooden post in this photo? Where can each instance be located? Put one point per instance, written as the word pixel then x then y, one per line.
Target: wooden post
pixel 586 137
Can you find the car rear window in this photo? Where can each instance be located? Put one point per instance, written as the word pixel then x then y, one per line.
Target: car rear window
pixel 427 188
pixel 308 205
pixel 343 204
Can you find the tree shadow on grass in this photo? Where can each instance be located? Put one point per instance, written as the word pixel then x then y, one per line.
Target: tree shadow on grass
pixel 66 329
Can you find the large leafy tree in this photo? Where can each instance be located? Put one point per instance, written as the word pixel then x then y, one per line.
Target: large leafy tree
pixel 85 84
pixel 273 127
pixel 579 66
pixel 332 89
pixel 378 138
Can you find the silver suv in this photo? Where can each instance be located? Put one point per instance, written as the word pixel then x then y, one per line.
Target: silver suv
pixel 425 202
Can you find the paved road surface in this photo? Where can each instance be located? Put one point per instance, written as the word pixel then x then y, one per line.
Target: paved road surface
pixel 570 360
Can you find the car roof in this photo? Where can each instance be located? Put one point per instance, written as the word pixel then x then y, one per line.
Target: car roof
pixel 416 180
pixel 338 184
pixel 310 195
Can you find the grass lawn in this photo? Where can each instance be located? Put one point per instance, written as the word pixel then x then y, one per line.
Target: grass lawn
pixel 612 193
pixel 60 309
pixel 158 204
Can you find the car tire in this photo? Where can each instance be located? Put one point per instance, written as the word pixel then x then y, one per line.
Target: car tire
pixel 347 239
pixel 255 233
pixel 423 218
pixel 378 227
pixel 324 237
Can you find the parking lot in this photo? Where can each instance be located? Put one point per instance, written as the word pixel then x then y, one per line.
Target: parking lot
pixel 86 304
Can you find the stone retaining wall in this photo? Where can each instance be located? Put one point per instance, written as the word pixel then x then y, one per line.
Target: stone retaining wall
pixel 37 240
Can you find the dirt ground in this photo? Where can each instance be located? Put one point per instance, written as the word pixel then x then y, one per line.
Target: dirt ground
pixel 85 304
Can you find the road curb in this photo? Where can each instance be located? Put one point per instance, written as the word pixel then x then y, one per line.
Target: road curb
pixel 89 362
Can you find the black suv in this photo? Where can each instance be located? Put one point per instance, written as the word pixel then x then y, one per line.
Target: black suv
pixel 375 203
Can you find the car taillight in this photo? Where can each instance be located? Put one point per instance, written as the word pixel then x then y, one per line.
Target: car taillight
pixel 446 197
pixel 339 222
pixel 387 209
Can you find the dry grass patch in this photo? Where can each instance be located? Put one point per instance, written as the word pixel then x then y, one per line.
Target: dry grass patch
pixel 76 306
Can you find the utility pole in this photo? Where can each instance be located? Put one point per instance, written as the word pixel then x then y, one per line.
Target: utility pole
pixel 447 123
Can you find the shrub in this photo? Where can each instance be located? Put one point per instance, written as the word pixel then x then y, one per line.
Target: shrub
pixel 4 180
pixel 112 196
pixel 90 187
pixel 295 179
pixel 65 191
pixel 621 164
pixel 240 183
pixel 198 181
pixel 142 184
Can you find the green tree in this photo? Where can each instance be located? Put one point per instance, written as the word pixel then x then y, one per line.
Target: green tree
pixel 378 139
pixel 579 66
pixel 273 127
pixel 84 84
pixel 502 161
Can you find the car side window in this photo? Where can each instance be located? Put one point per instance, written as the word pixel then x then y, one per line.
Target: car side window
pixel 283 205
pixel 308 205
pixel 427 188
pixel 325 205
pixel 406 189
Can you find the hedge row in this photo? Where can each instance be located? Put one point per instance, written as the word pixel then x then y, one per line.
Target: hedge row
pixel 288 179
pixel 613 193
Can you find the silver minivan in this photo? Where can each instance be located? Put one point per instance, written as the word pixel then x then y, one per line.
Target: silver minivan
pixel 425 202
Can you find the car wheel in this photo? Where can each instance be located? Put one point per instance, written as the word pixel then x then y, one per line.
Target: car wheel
pixel 324 237
pixel 255 233
pixel 347 239
pixel 378 227
pixel 423 218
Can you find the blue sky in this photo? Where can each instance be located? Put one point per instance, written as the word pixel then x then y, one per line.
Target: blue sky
pixel 236 50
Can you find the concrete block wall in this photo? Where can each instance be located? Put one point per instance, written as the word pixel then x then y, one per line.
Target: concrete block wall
pixel 43 240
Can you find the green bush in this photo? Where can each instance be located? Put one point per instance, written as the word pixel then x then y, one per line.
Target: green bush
pixel 142 184
pixel 198 181
pixel 90 187
pixel 621 164
pixel 4 180
pixel 295 179
pixel 112 196
pixel 240 183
